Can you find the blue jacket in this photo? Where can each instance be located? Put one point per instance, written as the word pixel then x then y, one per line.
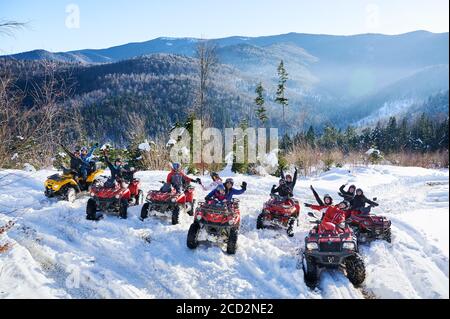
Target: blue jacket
pixel 87 159
pixel 228 193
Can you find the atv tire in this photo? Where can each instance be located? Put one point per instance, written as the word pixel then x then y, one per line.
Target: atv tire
pixel 356 271
pixel 144 211
pixel 176 216
pixel 71 194
pixel 388 236
pixel 260 221
pixel 310 272
pixel 139 198
pixel 192 237
pixel 123 209
pixel 91 210
pixel 232 241
pixel 290 229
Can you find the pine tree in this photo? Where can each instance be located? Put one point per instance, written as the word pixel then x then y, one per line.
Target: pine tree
pixel 281 98
pixel 311 137
pixel 259 101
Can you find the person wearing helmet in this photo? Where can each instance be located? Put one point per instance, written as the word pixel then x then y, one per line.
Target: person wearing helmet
pixel 216 181
pixel 290 181
pixel 230 191
pixel 332 214
pixel 118 170
pixel 359 202
pixel 178 179
pixel 283 189
pixel 347 194
pixel 327 199
pixel 219 194
pixel 75 160
pixel 86 158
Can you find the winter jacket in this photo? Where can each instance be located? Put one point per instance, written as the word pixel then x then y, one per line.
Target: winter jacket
pixel 360 201
pixel 217 196
pixel 331 214
pixel 87 158
pixel 347 195
pixel 118 171
pixel 282 190
pixel 229 193
pixel 75 162
pixel 294 180
pixel 178 180
pixel 317 197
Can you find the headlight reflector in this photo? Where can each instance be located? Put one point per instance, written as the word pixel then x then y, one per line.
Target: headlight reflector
pixel 349 245
pixel 312 246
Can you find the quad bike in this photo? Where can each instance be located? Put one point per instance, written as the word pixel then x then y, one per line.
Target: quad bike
pixel 69 184
pixel 332 246
pixel 114 197
pixel 217 222
pixel 167 200
pixel 368 228
pixel 279 212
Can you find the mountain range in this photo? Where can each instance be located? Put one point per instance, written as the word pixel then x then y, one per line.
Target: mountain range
pixel 340 79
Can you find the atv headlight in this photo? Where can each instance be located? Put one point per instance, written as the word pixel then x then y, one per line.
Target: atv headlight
pixel 92 194
pixel 173 200
pixel 55 187
pixel 312 246
pixel 117 196
pixel 349 245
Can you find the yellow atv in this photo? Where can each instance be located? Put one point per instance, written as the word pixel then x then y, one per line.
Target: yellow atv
pixel 67 185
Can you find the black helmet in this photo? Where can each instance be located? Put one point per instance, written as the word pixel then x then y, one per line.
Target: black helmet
pixel 214 175
pixel 229 180
pixel 346 203
pixel 327 196
pixel 282 181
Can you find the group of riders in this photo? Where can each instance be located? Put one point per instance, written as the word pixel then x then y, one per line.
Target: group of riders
pixel 223 191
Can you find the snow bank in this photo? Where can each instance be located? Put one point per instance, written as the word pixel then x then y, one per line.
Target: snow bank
pixel 59 254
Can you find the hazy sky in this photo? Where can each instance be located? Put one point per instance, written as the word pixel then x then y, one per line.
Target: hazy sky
pixel 59 25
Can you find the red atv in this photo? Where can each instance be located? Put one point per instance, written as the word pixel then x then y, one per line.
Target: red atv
pixel 279 212
pixel 218 222
pixel 114 197
pixel 332 246
pixel 369 227
pixel 160 202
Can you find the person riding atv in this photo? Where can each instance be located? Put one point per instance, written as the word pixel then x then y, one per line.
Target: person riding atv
pixel 67 185
pixel 347 194
pixel 290 181
pixel 283 189
pixel 178 179
pixel 359 202
pixel 327 199
pixel 332 214
pixel 230 191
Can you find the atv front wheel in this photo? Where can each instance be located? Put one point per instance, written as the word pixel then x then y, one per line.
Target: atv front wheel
pixel 192 237
pixel 123 209
pixel 176 216
pixel 71 194
pixel 144 211
pixel 388 236
pixel 91 210
pixel 232 241
pixel 290 229
pixel 310 272
pixel 356 270
pixel 260 221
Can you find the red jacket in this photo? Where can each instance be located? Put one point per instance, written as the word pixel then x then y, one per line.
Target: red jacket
pixel 332 214
pixel 173 173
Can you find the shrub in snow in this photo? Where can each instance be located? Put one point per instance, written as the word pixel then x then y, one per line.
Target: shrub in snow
pixel 29 168
pixel 374 156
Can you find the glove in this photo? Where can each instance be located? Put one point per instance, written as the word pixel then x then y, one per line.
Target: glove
pixel 198 180
pixel 244 185
pixel 311 187
pixel 296 169
pixel 307 205
pixel 96 145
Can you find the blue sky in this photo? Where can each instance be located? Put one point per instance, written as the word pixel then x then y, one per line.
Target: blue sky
pixel 105 23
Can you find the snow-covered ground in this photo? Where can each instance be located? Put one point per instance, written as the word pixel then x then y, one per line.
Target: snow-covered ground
pixel 56 253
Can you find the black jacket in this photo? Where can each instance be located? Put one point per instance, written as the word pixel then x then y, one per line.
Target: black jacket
pixel 347 195
pixel 119 171
pixel 75 162
pixel 317 197
pixel 282 190
pixel 360 201
pixel 291 185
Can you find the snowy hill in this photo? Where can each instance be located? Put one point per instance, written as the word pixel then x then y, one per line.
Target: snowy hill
pixel 56 253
